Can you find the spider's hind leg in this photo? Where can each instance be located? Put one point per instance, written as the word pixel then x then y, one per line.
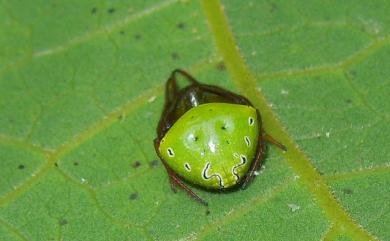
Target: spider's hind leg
pixel 176 181
pixel 273 141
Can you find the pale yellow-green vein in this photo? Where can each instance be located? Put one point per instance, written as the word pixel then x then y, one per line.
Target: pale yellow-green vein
pixel 13 230
pixel 7 140
pixel 248 206
pixel 360 173
pixel 70 145
pixel 4 200
pixel 332 233
pixel 92 194
pixel 246 83
pixel 107 29
pixel 329 68
pixel 107 121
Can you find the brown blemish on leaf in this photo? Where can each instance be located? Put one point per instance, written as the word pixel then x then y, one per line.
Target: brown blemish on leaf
pixel 133 196
pixel 136 164
pixel 62 222
pixel 93 10
pixel 175 56
pixel 181 25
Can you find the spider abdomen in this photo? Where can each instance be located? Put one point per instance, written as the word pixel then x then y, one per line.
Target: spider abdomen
pixel 212 145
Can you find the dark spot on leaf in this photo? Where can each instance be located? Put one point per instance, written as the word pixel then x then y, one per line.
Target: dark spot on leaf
pixel 207 212
pixel 227 142
pixel 175 56
pixel 181 25
pixel 349 101
pixel 221 66
pixel 75 163
pixel 120 117
pixel 347 191
pixel 153 163
pixel 137 36
pixel 93 10
pixel 122 32
pixel 192 117
pixel 223 127
pixel 62 222
pixel 21 167
pixel 273 8
pixel 210 109
pixel 195 138
pixel 133 196
pixel 111 10
pixel 55 164
pixel 352 73
pixel 136 164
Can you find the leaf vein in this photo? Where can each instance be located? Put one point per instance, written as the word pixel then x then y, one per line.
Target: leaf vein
pixel 295 157
pixel 13 230
pixel 54 156
pixel 359 173
pixel 236 213
pixel 329 68
pixel 105 29
pixel 92 194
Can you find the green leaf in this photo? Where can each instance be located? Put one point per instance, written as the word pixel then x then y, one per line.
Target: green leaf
pixel 82 89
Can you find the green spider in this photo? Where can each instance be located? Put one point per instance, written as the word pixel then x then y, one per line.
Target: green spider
pixel 209 136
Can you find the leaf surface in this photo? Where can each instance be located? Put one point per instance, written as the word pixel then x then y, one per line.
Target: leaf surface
pixel 82 89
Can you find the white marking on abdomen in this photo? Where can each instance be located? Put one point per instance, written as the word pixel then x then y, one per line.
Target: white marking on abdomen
pixel 251 121
pixel 187 167
pixel 170 152
pixel 247 140
pixel 206 176
pixel 242 163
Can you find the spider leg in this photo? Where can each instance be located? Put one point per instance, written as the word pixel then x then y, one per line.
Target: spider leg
pixel 171 88
pixel 255 165
pixel 175 180
pixel 172 93
pixel 272 140
pixel 258 158
pixel 185 74
pixel 222 93
pixel 261 148
pixel 226 95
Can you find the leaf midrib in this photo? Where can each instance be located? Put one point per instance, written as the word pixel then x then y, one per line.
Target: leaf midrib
pixel 246 82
